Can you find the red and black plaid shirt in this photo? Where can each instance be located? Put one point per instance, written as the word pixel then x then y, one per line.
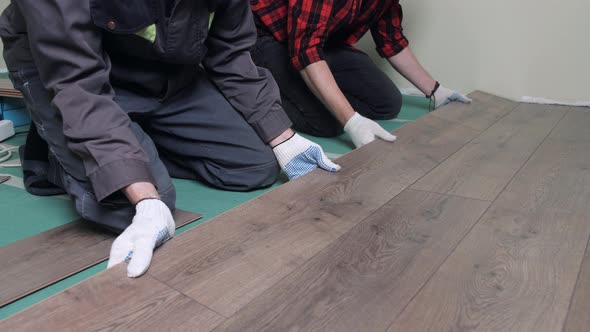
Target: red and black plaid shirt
pixel 306 25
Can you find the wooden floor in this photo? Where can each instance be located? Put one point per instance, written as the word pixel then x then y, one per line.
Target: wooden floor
pixel 41 260
pixel 476 219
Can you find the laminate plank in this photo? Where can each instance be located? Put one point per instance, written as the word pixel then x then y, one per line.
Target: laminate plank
pixel 231 260
pixel 516 270
pixel 111 301
pixel 485 110
pixel 365 278
pixel 41 260
pixel 434 137
pixel 577 316
pixel 484 166
pixel 575 128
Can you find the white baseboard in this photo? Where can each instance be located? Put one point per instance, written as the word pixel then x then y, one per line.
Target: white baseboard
pixel 545 101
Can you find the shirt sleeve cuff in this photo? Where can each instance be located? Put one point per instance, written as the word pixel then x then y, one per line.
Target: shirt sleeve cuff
pixel 117 175
pixel 272 125
pixel 389 50
pixel 307 57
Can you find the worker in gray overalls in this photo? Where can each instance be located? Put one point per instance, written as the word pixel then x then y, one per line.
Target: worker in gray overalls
pixel 128 93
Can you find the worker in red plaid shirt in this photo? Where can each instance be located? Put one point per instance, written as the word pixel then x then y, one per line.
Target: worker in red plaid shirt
pixel 326 84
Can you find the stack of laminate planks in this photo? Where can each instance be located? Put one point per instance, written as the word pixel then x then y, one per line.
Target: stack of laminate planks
pixel 7 89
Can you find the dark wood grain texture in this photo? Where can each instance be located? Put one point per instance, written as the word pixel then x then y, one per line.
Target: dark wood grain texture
pixel 433 137
pixel 578 316
pixel 484 111
pixel 484 166
pixel 43 259
pixel 365 278
pixel 111 301
pixel 575 126
pixel 516 270
pixel 227 263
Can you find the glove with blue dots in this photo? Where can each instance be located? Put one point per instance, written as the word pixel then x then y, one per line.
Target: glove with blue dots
pixel 443 96
pixel 299 156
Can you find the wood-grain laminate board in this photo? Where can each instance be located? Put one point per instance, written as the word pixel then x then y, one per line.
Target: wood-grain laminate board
pixel 43 259
pixel 575 126
pixel 227 263
pixel 578 316
pixel 365 278
pixel 516 270
pixel 110 301
pixel 484 111
pixel 484 166
pixel 433 137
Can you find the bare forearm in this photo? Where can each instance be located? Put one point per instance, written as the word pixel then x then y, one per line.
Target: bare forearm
pixel 140 190
pixel 282 137
pixel 406 64
pixel 321 82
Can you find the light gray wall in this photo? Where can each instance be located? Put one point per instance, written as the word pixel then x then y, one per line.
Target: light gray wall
pixel 511 48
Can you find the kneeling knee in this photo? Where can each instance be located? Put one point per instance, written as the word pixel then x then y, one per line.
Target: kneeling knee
pixel 389 108
pixel 260 176
pixel 260 171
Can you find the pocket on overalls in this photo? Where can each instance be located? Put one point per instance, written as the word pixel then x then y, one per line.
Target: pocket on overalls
pixel 124 17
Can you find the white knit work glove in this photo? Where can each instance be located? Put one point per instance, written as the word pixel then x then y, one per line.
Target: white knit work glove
pixel 363 131
pixel 443 96
pixel 152 225
pixel 299 156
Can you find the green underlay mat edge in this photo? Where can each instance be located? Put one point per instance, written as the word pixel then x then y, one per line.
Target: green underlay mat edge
pixel 21 221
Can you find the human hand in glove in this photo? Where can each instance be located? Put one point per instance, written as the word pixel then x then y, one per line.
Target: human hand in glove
pixel 443 96
pixel 299 156
pixel 363 131
pixel 151 227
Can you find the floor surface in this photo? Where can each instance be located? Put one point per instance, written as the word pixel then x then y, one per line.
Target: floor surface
pixel 476 219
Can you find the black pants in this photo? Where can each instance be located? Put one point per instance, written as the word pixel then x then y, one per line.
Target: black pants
pixel 196 134
pixel 370 92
